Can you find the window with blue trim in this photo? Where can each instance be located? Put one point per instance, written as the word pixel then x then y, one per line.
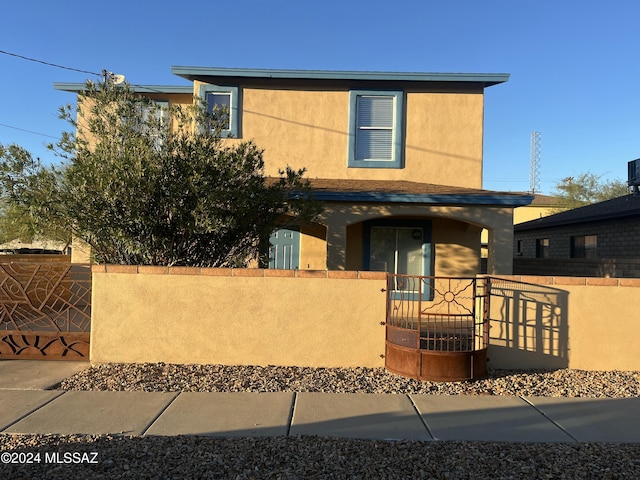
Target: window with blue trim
pixel 375 128
pixel 223 100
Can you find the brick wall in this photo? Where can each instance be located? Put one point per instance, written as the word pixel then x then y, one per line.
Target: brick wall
pixel 618 251
pixel 580 267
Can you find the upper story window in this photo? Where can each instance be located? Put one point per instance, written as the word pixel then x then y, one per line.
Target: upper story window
pixel 156 113
pixel 225 101
pixel 157 116
pixel 375 128
pixel 584 246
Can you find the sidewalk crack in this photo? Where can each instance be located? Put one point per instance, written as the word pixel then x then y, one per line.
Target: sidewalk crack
pixel 292 412
pixel 154 419
pixel 415 408
pixel 562 429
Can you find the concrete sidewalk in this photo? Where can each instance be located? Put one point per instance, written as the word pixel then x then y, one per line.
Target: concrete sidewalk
pixel 366 416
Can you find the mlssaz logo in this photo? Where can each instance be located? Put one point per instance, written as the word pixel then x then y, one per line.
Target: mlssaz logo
pixel 71 457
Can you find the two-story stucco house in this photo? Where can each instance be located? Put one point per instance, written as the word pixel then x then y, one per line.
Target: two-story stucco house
pixel 395 157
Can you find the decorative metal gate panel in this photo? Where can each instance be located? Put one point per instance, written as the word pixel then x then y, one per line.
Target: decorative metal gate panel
pixel 45 311
pixel 437 327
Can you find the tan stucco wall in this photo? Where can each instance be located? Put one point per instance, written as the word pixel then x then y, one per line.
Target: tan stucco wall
pixel 313 247
pixel 332 319
pixel 309 129
pixel 270 317
pixel 457 248
pixel 444 138
pixel 532 212
pixel 574 322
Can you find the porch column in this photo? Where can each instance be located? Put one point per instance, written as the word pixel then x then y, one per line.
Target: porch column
pixel 336 246
pixel 500 261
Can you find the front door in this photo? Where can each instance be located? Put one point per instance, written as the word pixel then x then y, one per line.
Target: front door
pixel 400 247
pixel 284 249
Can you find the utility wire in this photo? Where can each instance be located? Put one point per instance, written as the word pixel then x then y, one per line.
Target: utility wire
pixel 49 64
pixel 103 74
pixel 28 131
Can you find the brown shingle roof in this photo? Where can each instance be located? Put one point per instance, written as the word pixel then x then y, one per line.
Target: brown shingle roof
pixel 398 187
pixel 401 191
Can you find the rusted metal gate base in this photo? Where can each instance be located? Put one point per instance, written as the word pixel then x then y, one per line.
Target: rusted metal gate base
pixel 44 345
pixel 436 366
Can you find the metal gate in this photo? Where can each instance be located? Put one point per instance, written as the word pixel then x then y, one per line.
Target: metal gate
pixel 45 311
pixel 437 328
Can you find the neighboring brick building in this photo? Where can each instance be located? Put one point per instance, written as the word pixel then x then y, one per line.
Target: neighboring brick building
pixel 602 239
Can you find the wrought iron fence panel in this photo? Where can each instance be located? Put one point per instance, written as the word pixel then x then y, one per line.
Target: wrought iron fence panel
pixel 449 312
pixel 45 310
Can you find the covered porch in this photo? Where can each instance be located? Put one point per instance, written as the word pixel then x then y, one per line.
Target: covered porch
pixel 408 228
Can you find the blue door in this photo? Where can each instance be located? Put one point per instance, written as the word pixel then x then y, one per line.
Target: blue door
pixel 284 249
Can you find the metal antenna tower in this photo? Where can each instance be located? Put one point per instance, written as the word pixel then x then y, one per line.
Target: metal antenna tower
pixel 534 173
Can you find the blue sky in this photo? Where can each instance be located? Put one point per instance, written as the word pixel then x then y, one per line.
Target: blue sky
pixel 574 65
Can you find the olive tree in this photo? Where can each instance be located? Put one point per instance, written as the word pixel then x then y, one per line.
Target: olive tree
pixel 588 188
pixel 152 185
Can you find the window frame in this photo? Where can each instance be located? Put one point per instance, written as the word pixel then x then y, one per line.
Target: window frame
pixel 428 263
pixel 542 247
pixel 234 111
pixel 397 150
pixel 164 118
pixel 581 249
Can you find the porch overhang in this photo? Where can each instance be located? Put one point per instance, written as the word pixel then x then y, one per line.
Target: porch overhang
pixel 425 199
pixel 374 191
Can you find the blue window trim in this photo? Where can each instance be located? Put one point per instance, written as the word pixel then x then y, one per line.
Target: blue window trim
pixel 427 250
pixel 234 121
pixel 398 133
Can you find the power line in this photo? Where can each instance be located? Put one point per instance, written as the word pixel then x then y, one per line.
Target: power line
pixel 104 74
pixel 28 131
pixel 49 64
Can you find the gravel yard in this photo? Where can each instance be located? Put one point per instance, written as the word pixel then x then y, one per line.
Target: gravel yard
pixel 325 458
pixel 159 377
pixel 318 458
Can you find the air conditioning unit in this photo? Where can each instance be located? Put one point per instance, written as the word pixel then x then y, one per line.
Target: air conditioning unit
pixel 634 173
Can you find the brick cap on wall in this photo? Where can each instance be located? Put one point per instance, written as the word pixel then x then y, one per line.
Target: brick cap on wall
pixel 587 281
pixel 238 272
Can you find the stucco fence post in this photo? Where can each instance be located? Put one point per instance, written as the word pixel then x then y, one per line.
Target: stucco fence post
pixel 237 316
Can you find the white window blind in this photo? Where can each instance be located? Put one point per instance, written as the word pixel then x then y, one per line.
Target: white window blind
pixel 374 128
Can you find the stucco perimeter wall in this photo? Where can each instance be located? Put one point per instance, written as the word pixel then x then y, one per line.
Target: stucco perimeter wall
pixel 237 317
pixel 565 322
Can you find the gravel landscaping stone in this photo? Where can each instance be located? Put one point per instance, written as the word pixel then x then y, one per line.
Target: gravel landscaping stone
pixel 315 458
pixel 322 458
pixel 160 377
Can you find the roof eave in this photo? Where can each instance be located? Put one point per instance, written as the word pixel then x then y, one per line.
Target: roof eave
pixel 433 199
pixel 162 89
pixel 201 73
